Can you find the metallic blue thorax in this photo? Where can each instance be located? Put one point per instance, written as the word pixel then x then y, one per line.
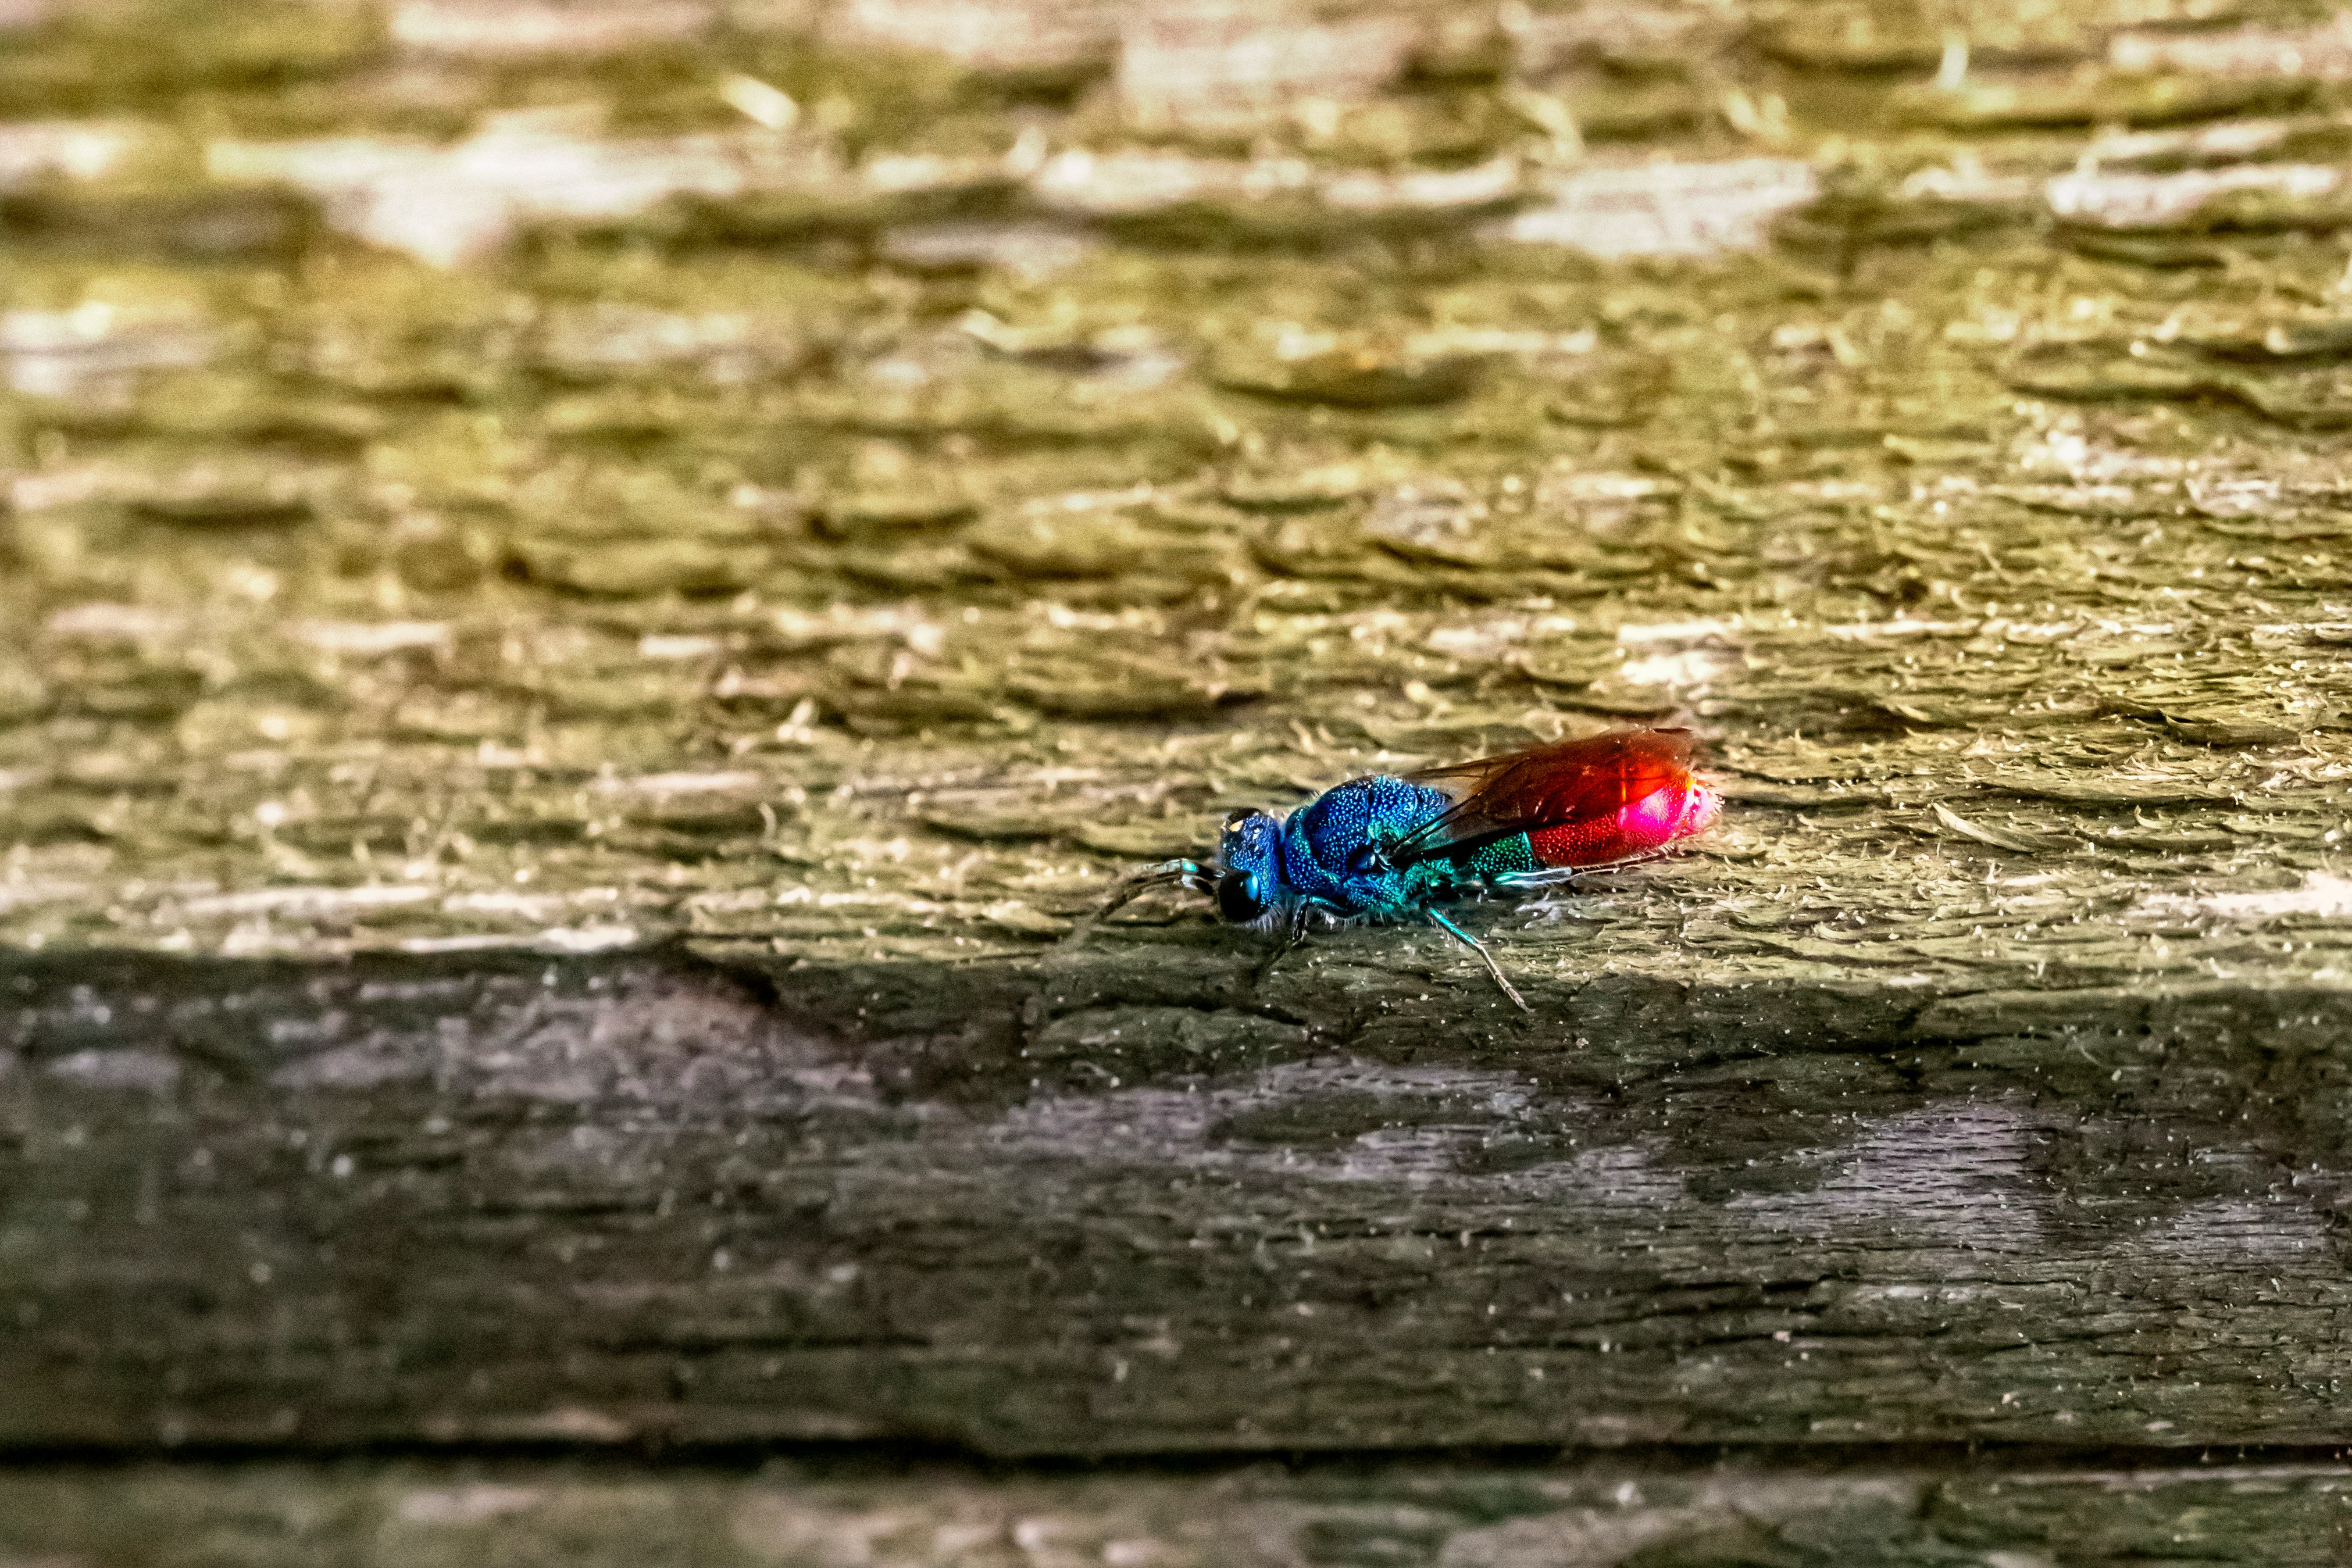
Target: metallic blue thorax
pixel 1327 853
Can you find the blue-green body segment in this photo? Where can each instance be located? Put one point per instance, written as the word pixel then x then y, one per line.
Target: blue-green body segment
pixel 1329 855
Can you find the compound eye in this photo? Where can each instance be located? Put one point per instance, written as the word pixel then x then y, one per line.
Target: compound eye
pixel 1235 902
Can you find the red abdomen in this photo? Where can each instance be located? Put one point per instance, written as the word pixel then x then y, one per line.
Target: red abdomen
pixel 1673 808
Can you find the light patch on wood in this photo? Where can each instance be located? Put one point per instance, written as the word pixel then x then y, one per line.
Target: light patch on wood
pixel 2323 895
pixel 372 638
pixel 90 351
pixel 502 29
pixel 448 206
pixel 1947 1176
pixel 308 901
pixel 1667 208
pixel 1211 60
pixel 2136 201
pixel 126 1069
pixel 75 148
pixel 2240 1233
pixel 995 36
pixel 466 1505
pixel 2323 52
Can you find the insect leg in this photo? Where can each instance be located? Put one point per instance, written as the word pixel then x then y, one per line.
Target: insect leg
pixel 1567 876
pixel 1294 931
pixel 1480 948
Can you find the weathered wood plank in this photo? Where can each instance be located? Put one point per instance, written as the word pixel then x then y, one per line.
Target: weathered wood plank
pixel 610 1200
pixel 405 1513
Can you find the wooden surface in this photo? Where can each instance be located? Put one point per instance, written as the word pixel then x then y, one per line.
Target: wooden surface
pixel 597 594
pixel 419 1514
pixel 602 1201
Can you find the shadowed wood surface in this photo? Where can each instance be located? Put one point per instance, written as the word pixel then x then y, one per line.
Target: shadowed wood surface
pixel 595 592
pixel 605 1201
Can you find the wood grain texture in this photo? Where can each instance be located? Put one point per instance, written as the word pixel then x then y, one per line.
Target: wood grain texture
pixel 615 1202
pixel 1423 1515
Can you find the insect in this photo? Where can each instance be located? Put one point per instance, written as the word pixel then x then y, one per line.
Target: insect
pixel 1387 848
